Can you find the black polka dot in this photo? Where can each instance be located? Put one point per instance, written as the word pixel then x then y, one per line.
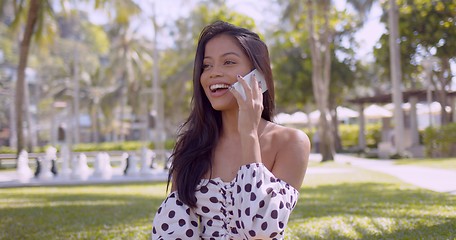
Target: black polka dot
pixel 181 222
pixel 252 196
pixel 194 223
pixel 205 209
pixel 159 210
pixel 248 187
pixel 259 183
pixel 189 233
pixel 281 225
pixel 274 214
pixel 179 203
pixel 216 234
pixel 213 200
pixel 209 223
pixel 261 204
pixel 238 224
pixel 247 211
pixel 239 189
pixel 254 174
pixel 154 231
pixel 264 226
pixel 273 235
pixel 164 226
pixel 269 190
pixel 281 205
pixel 252 233
pixel 171 214
pixel 204 189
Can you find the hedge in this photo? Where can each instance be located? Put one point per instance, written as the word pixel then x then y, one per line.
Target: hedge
pixel 440 141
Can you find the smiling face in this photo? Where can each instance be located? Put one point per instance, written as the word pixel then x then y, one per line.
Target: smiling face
pixel 224 59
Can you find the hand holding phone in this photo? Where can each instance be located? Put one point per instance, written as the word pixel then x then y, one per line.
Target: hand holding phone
pixel 249 79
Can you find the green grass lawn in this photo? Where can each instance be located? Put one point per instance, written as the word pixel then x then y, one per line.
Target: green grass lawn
pixel 343 202
pixel 443 163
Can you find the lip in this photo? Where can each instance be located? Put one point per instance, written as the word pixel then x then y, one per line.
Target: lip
pixel 218 93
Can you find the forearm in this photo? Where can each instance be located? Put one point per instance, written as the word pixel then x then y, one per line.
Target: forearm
pixel 250 147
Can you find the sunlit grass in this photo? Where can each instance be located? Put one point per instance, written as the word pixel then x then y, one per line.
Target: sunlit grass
pixel 348 204
pixel 443 163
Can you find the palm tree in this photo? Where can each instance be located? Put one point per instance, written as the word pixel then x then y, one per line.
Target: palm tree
pixel 33 17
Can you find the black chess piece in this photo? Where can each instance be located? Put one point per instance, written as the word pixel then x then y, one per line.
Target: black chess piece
pixel 38 166
pixel 54 168
pixel 127 165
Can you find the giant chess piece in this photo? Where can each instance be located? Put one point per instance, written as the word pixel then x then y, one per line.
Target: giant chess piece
pixel 102 166
pixel 65 157
pixel 38 166
pixel 51 157
pixel 107 168
pixel 45 169
pixel 81 169
pixel 97 166
pixel 168 161
pixel 146 159
pixel 23 170
pixel 132 166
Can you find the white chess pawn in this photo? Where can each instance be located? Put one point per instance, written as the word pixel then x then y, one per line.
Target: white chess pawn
pixel 23 169
pixel 132 169
pixel 81 170
pixel 107 169
pixel 45 171
pixel 146 159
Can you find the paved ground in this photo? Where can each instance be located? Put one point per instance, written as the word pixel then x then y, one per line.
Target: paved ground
pixel 438 180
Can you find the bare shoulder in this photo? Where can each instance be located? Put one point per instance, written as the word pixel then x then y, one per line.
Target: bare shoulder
pixel 292 154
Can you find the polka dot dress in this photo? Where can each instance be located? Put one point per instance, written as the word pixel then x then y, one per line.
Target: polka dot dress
pixel 254 205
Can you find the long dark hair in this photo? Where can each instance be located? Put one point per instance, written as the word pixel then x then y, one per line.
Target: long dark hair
pixel 199 135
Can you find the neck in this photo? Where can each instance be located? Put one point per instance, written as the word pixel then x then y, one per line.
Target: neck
pixel 230 123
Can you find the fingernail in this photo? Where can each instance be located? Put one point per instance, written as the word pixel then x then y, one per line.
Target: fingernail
pixel 239 76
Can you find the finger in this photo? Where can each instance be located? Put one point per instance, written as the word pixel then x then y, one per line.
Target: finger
pixel 255 86
pixel 236 94
pixel 245 85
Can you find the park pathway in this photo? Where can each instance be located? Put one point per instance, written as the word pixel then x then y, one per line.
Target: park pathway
pixel 439 180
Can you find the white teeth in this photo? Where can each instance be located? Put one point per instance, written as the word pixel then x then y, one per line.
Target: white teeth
pixel 217 86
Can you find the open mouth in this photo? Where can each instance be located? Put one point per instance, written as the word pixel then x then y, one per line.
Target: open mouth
pixel 218 87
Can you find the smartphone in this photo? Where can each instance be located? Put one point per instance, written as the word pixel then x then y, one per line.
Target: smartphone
pixel 249 79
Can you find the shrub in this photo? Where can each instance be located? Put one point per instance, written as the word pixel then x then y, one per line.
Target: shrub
pixel 440 141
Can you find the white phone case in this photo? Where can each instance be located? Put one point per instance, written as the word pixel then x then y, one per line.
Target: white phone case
pixel 248 78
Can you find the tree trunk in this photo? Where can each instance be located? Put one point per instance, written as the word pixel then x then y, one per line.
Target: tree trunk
pixel 396 77
pixel 32 18
pixel 320 45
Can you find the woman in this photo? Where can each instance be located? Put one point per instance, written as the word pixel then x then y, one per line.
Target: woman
pixel 235 174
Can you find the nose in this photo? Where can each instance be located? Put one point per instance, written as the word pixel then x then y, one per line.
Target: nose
pixel 215 72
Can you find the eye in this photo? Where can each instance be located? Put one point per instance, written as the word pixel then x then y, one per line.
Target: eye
pixel 206 66
pixel 229 62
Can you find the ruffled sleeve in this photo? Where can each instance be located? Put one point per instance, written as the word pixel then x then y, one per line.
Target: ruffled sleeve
pixel 175 220
pixel 264 202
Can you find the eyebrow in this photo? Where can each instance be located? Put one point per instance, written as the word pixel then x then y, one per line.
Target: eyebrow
pixel 228 53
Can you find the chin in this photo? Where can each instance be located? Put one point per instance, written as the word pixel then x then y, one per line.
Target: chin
pixel 218 106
